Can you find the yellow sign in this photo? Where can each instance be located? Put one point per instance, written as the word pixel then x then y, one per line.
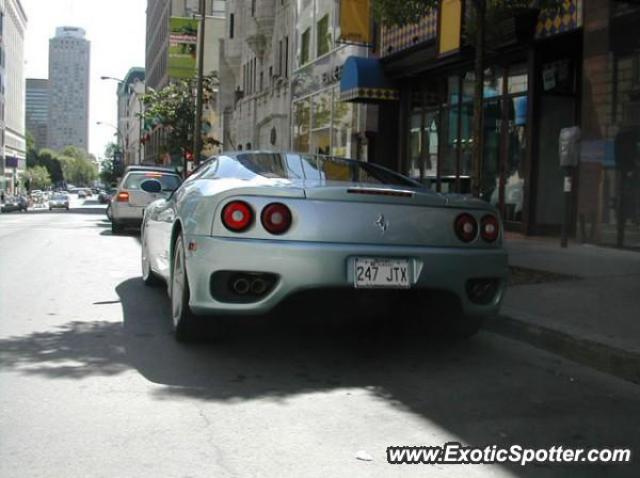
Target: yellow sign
pixel 355 21
pixel 450 26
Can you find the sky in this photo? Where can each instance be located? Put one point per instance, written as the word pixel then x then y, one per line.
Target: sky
pixel 116 30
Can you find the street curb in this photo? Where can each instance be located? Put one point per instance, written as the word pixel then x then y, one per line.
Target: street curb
pixel 602 357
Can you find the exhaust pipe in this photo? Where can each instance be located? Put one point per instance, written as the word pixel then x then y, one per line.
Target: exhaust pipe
pixel 241 286
pixel 258 286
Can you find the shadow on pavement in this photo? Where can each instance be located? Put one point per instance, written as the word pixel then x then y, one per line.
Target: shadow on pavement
pixel 484 391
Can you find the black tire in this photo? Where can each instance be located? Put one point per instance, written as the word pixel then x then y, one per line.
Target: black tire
pixel 185 324
pixel 116 228
pixel 149 277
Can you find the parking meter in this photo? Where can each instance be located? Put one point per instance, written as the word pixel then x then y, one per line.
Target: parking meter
pixel 569 153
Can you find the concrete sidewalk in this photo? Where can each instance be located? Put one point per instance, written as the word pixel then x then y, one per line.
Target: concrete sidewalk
pixel 588 311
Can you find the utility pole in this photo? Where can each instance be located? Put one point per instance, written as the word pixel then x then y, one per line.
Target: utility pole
pixel 197 134
pixel 476 183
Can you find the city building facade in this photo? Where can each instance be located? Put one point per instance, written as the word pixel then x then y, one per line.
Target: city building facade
pixel 69 65
pixel 544 71
pixel 171 51
pixel 13 24
pixel 37 107
pixel 280 82
pixel 129 91
pixel 133 147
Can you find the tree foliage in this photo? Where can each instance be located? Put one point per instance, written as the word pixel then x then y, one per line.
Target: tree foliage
pixel 78 171
pixel 48 159
pixel 110 171
pixel 173 109
pixel 37 177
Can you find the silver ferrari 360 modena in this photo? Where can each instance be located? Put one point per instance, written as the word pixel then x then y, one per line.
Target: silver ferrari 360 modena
pixel 248 231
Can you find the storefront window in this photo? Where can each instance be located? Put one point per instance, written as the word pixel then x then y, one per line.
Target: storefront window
pixel 493 82
pixel 517 80
pixel 301 124
pixel 342 126
pixel 323 36
pixel 323 124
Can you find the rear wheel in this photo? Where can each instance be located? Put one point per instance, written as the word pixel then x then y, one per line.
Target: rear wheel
pixel 116 228
pixel 185 323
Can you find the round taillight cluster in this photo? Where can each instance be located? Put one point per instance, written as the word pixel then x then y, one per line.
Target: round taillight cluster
pixel 237 216
pixel 489 228
pixel 466 227
pixel 276 218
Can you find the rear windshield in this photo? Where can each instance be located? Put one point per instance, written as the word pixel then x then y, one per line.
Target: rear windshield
pixel 170 182
pixel 59 196
pixel 317 167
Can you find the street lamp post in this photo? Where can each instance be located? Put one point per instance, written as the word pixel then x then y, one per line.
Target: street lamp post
pixel 118 132
pixel 141 107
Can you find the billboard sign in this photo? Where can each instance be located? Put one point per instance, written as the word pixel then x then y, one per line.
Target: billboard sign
pixel 183 41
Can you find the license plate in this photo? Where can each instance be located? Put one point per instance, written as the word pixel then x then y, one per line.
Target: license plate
pixel 383 273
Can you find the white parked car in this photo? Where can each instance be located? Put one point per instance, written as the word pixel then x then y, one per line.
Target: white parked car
pixel 127 205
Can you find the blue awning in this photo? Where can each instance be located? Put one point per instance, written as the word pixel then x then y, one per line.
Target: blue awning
pixel 363 81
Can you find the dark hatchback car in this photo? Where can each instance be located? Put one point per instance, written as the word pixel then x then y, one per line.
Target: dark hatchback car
pixel 15 203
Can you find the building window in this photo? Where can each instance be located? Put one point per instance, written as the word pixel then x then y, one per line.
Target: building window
pixel 305 46
pixel 286 56
pixel 323 36
pixel 231 25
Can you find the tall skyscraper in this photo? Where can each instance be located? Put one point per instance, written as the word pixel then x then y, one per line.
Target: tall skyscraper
pixel 69 60
pixel 37 110
pixel 13 24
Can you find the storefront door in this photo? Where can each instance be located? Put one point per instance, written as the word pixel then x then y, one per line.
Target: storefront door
pixel 504 141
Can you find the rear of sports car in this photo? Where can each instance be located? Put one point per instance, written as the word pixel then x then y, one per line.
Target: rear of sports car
pixel 268 247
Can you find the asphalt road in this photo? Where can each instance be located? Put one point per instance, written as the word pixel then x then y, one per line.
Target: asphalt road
pixel 92 383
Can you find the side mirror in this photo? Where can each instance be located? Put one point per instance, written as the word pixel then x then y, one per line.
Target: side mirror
pixel 151 186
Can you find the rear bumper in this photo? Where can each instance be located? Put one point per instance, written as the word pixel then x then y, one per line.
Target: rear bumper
pixel 302 266
pixel 125 213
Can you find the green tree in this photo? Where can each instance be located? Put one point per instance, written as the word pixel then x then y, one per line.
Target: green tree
pixel 48 159
pixel 78 171
pixel 37 177
pixel 110 170
pixel 483 13
pixel 173 109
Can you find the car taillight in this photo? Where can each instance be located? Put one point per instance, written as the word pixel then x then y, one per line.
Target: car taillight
pixel 237 216
pixel 489 228
pixel 276 218
pixel 122 197
pixel 466 227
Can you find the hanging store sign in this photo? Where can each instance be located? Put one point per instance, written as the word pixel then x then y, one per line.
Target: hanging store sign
pixel 355 21
pixel 450 27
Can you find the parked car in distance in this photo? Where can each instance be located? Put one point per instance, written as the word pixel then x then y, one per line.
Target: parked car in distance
pixel 59 200
pixel 127 205
pixel 82 193
pixel 15 203
pixel 249 231
pixel 104 196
